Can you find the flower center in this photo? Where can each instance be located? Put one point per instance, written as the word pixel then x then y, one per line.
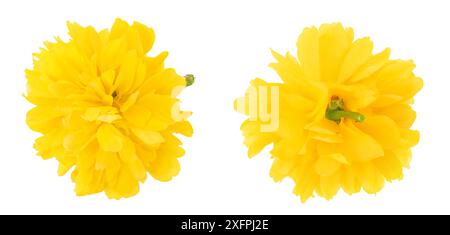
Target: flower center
pixel 115 100
pixel 336 112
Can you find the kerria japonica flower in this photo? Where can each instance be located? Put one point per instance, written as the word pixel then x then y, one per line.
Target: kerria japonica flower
pixel 106 110
pixel 343 114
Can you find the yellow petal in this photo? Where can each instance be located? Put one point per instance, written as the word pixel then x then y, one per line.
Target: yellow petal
pixel 150 138
pixel 108 79
pixel 138 170
pixel 64 168
pixel 326 166
pixel 349 182
pixel 119 29
pixel 308 53
pixel 146 36
pixel 109 138
pixel 146 155
pixel 184 128
pixel 126 185
pixel 372 66
pixel 129 156
pixel 393 71
pixel 141 75
pixel 358 146
pixel 110 163
pixel 359 53
pixel 383 130
pixel 404 156
pixel 105 114
pixel 128 152
pixel 406 88
pixel 131 100
pixel 110 57
pixel 282 168
pixel 371 179
pixel 138 115
pixel 287 68
pixel 402 114
pixel 105 160
pixel 334 43
pixel 43 119
pixel 164 168
pixel 306 181
pixel 389 166
pixel 254 139
pixel 293 102
pixel 385 100
pixel 88 182
pixel 171 147
pixel 410 138
pixel 164 82
pixel 83 37
pixel 329 185
pixel 76 141
pixel 127 72
pixel 323 127
pixel 86 159
pixel 50 144
pixel 155 64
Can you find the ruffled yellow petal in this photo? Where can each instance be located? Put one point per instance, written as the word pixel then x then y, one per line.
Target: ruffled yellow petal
pixel 403 115
pixel 334 43
pixel 371 179
pixel 358 54
pixel 282 168
pixel 124 186
pixel 109 138
pixel 150 138
pixel 344 115
pixel 359 146
pixel 326 166
pixel 376 127
pixel 390 167
pixel 184 128
pixel 164 169
pixel 306 180
pixel 372 66
pixel 107 110
pixel 349 182
pixel 329 185
pixel 43 119
pixel 146 36
pixel 308 53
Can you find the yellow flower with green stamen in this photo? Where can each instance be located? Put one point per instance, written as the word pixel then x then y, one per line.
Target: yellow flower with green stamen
pixel 345 115
pixel 107 110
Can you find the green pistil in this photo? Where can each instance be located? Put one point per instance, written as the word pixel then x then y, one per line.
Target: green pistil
pixel 335 112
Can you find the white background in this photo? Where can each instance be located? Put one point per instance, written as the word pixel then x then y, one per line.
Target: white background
pixel 226 44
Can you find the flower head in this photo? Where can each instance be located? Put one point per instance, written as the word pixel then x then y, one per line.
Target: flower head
pixel 344 115
pixel 106 109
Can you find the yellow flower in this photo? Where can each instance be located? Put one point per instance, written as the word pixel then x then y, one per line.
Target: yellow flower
pixel 107 109
pixel 345 115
